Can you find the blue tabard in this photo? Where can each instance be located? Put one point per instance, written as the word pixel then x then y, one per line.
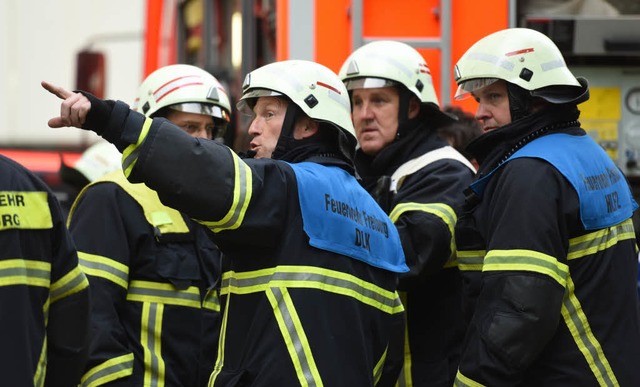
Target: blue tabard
pixel 339 216
pixel 605 197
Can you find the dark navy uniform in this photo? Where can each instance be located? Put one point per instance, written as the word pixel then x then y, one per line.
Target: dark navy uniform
pixel 152 273
pixel 419 181
pixel 44 298
pixel 549 259
pixel 310 293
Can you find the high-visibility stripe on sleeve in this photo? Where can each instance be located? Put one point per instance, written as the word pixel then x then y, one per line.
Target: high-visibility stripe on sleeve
pixel 600 240
pixel 131 152
pixel 71 283
pixel 103 267
pixel 470 260
pixel 526 260
pixel 110 370
pixel 463 381
pixel 441 210
pixel 242 191
pixel 25 210
pixel 25 272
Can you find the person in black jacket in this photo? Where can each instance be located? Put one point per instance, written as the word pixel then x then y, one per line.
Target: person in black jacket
pixel 546 243
pixel 152 270
pixel 44 297
pixel 418 179
pixel 310 294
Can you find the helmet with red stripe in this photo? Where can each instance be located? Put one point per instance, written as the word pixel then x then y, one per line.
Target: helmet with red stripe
pixel 185 88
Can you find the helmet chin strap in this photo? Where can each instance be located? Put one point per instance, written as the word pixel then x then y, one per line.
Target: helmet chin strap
pixel 286 140
pixel 403 108
pixel 519 101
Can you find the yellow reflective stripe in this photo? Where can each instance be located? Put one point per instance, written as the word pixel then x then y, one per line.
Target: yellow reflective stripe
pixel 211 300
pixel 526 260
pixel 377 369
pixel 407 366
pixel 151 321
pixel 580 329
pixel 130 154
pixel 242 191
pixel 108 371
pixel 221 344
pixel 470 260
pixel 294 337
pixel 38 377
pixel 163 293
pixel 103 267
pixel 441 210
pixel 463 381
pixel 71 283
pixel 24 210
pixel 312 277
pixel 600 240
pixel 25 272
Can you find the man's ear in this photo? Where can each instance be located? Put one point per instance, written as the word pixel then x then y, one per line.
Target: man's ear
pixel 414 107
pixel 305 128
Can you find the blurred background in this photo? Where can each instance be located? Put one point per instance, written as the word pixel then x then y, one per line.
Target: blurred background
pixel 108 47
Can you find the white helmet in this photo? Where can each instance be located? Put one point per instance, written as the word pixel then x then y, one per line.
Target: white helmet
pixel 385 63
pixel 185 88
pixel 314 88
pixel 523 57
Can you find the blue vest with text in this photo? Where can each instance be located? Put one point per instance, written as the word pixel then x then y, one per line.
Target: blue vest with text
pixel 339 216
pixel 605 197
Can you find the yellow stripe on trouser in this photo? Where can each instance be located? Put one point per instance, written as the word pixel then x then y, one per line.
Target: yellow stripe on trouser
pixel 377 370
pixel 276 282
pixel 442 211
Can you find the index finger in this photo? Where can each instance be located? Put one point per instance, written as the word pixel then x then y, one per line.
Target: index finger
pixel 58 91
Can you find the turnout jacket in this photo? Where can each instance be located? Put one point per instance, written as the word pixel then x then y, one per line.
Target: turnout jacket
pixel 152 272
pixel 44 298
pixel 295 312
pixel 423 202
pixel 546 246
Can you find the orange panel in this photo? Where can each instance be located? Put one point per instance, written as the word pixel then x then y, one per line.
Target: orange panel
pixel 152 35
pixel 472 20
pixel 333 33
pixel 282 30
pixel 407 18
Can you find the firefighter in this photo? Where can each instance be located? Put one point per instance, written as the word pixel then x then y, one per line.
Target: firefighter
pixel 310 297
pixel 44 297
pixel 152 270
pixel 546 241
pixel 418 180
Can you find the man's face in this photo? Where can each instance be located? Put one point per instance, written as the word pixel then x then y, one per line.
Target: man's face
pixel 196 125
pixel 493 106
pixel 374 112
pixel 269 113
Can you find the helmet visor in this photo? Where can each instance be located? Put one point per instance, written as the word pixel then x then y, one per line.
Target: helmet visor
pixel 202 108
pixel 248 99
pixel 472 85
pixel 368 83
